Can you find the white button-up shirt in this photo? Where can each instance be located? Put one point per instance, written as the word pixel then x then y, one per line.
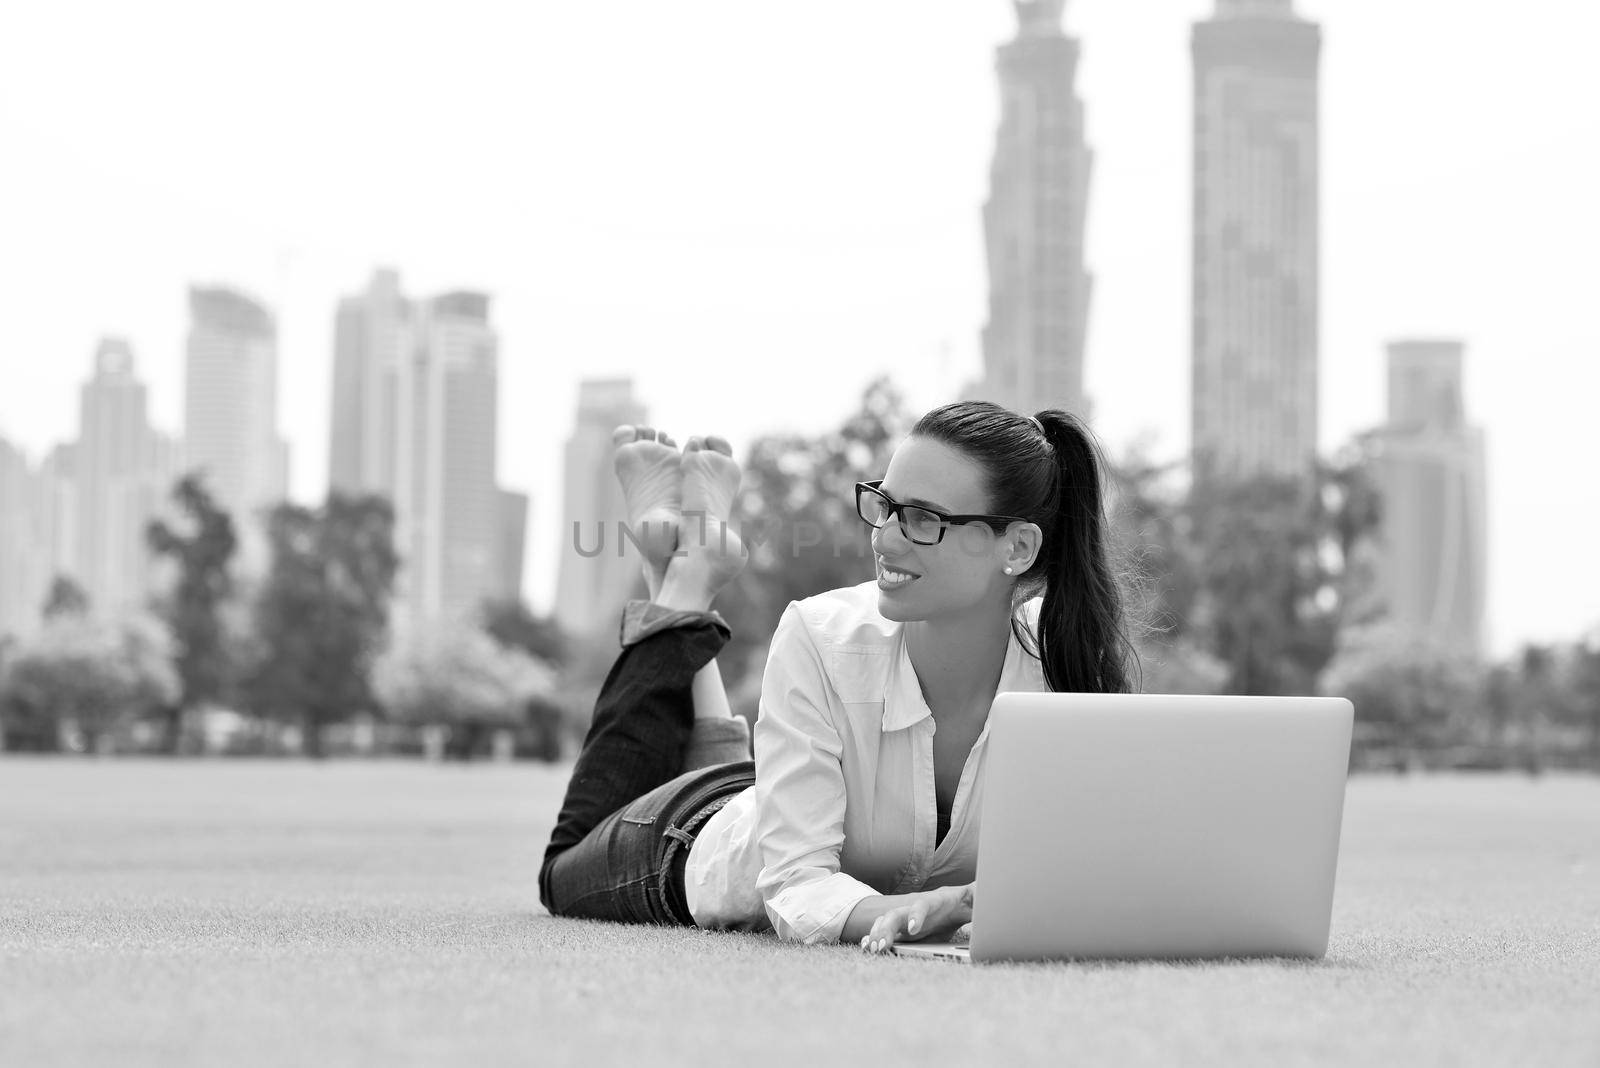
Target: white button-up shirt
pixel 843 805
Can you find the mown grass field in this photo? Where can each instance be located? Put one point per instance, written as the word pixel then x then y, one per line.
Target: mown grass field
pixel 222 912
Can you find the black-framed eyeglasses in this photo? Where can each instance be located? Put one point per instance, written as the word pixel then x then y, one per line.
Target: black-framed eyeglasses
pixel 923 526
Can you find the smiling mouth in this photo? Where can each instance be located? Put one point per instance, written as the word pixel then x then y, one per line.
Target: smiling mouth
pixel 891 576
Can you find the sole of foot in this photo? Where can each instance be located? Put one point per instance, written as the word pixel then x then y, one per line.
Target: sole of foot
pixel 649 466
pixel 708 547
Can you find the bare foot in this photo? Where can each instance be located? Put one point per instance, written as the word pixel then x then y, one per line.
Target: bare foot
pixel 709 553
pixel 647 465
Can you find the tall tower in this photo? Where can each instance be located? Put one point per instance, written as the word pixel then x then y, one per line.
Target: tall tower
pixel 447 506
pixel 1034 222
pixel 231 411
pixel 26 561
pixel 511 539
pixel 118 482
pixel 415 420
pixel 1431 472
pixel 1254 312
pixel 368 330
pixel 599 568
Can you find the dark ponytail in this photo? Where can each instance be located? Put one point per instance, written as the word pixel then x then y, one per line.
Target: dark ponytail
pixel 1047 469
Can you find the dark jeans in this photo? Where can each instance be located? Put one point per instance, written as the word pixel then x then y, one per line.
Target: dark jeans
pixel 631 810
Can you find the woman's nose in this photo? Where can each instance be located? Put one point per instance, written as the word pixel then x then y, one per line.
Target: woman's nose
pixel 889 539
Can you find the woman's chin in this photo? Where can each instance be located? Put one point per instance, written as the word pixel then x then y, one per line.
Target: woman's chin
pixel 893 607
pixel 890 608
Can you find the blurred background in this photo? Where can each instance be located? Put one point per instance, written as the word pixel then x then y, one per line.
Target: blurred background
pixel 318 318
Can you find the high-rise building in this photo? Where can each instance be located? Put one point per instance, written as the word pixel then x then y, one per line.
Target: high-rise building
pixel 368 332
pixel 27 562
pixel 599 567
pixel 511 539
pixel 1033 223
pixel 446 501
pixel 1431 473
pixel 414 419
pixel 121 472
pixel 1254 312
pixel 82 513
pixel 231 411
pixel 59 486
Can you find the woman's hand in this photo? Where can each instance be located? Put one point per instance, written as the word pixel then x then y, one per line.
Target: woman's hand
pixel 932 912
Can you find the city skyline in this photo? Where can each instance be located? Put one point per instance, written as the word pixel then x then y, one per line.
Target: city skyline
pixel 866 248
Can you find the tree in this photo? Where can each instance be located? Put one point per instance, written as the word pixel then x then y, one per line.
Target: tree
pixel 66 598
pixel 1256 552
pixel 463 680
pixel 1152 556
pixel 1149 539
pixel 1281 565
pixel 322 614
pixel 1555 694
pixel 1586 691
pixel 1424 694
pixel 78 673
pixel 191 610
pixel 511 623
pixel 1179 666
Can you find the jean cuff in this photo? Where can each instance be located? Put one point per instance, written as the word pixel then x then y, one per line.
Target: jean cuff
pixel 640 619
pixel 715 741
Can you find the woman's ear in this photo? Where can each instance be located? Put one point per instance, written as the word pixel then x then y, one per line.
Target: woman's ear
pixel 1022 543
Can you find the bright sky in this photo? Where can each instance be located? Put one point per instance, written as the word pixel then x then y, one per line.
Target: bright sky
pixel 755 208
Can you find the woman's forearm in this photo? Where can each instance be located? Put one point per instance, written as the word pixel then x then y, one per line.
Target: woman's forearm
pixel 867 910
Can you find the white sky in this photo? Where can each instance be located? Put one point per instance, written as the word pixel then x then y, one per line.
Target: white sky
pixel 754 208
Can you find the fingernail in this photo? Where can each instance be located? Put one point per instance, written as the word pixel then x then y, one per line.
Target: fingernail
pixel 912 926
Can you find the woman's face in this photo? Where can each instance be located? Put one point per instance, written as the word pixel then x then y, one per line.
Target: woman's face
pixel 961 572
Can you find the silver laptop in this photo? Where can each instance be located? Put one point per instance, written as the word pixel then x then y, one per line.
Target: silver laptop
pixel 1150 826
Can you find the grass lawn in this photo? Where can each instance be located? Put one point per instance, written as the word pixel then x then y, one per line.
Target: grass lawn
pixel 216 912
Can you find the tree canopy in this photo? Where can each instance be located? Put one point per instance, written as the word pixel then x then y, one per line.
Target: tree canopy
pixel 322 614
pixel 202 547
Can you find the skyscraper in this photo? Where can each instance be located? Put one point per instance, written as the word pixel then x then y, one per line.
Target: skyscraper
pixel 368 331
pixel 122 470
pixel 231 411
pixel 1435 513
pixel 26 562
pixel 1254 312
pixel 599 568
pixel 446 501
pixel 82 512
pixel 1033 223
pixel 511 538
pixel 414 419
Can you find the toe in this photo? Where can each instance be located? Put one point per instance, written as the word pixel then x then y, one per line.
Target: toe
pixel 694 444
pixel 646 433
pixel 666 439
pixel 622 435
pixel 716 444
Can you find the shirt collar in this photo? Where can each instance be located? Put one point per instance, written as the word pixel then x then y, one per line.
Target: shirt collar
pixel 903 704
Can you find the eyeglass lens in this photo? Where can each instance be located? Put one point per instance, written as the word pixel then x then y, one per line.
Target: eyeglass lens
pixel 920 524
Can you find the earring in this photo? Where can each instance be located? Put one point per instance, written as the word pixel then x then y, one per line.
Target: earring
pixel 1008 571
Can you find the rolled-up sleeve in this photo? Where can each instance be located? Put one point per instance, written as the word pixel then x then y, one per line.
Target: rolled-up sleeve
pixel 800 794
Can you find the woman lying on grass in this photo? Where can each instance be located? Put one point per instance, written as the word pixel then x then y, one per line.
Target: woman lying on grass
pixel 858 819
